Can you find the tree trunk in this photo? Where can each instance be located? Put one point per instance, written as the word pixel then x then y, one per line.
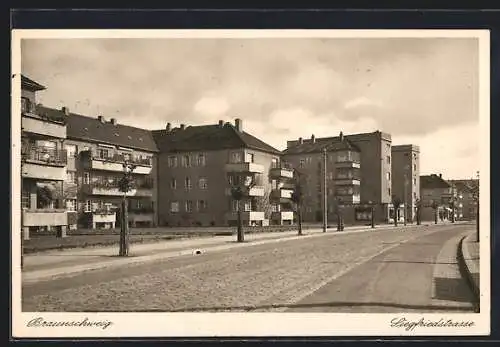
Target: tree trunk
pixel 240 234
pixel 418 215
pixel 396 217
pixel 435 216
pixel 124 237
pixel 372 218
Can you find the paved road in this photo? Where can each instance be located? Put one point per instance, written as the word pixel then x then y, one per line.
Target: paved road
pixel 379 271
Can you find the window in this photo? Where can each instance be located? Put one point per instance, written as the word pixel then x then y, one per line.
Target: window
pixel 71 151
pixel 275 208
pixel 388 175
pixel 274 163
pixel 274 184
pixel 88 206
pixel 330 175
pixel 201 159
pixel 189 206
pixel 25 199
pixel 187 183
pixel 234 205
pixel 71 176
pixel 414 195
pixel 414 181
pixel 102 153
pixel 236 157
pixel 388 159
pixel 248 206
pixel 71 205
pixel 126 157
pixel 26 105
pixel 203 183
pixel 414 167
pixel 308 160
pixel 389 191
pixel 186 161
pixel 172 161
pixel 174 206
pixel 202 205
pixel 302 163
pixel 173 183
pixel 249 158
pixel 86 178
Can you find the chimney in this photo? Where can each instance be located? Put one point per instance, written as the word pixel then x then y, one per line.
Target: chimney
pixel 440 176
pixel 100 119
pixel 239 124
pixel 168 127
pixel 113 121
pixel 221 123
pixel 313 138
pixel 341 136
pixel 301 141
pixel 65 110
pixel 183 126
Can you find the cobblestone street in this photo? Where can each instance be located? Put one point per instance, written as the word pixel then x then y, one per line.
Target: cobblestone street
pixel 265 277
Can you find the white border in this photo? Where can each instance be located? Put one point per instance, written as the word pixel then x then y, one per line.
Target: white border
pixel 251 324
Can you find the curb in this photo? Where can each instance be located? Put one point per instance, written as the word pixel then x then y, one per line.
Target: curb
pixel 465 271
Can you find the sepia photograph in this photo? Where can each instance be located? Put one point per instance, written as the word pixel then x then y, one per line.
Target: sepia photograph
pixel 241 183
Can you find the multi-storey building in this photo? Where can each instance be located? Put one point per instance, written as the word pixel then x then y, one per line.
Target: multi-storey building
pixel 434 189
pixel 198 166
pixel 96 152
pixel 43 164
pixel 466 198
pixel 370 154
pixel 405 177
pixel 343 177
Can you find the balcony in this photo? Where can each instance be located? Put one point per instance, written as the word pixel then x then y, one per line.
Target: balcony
pixel 36 124
pixel 347 182
pixel 281 194
pixel 102 216
pixel 115 163
pixel 244 168
pixel 277 173
pixel 44 217
pixel 282 216
pixel 43 163
pixel 348 164
pixel 350 199
pixel 254 191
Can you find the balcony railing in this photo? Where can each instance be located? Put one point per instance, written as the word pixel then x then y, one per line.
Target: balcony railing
pixel 41 154
pixel 281 173
pixel 120 158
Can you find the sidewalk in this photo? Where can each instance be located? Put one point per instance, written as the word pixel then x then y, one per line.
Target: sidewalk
pixel 48 265
pixel 470 255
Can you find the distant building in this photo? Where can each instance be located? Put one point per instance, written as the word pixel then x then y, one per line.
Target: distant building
pixel 467 197
pixel 434 189
pixel 198 166
pixel 358 170
pixel 405 177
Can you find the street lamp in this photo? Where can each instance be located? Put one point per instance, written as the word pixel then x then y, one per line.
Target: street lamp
pixel 325 195
pixel 372 217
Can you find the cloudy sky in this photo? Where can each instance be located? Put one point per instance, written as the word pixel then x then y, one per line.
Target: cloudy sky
pixel 421 90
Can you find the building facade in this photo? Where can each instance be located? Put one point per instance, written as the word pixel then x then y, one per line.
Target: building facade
pixel 43 165
pixel 370 165
pixel 406 177
pixel 466 198
pixel 198 167
pixel 435 190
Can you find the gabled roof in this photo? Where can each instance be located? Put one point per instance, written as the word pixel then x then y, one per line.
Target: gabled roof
pixel 90 129
pixel 29 84
pixel 331 144
pixel 433 182
pixel 208 137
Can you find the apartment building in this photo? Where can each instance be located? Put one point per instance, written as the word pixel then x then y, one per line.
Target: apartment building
pixel 343 179
pixel 466 198
pixel 199 165
pixel 434 189
pixel 405 177
pixel 369 157
pixel 43 164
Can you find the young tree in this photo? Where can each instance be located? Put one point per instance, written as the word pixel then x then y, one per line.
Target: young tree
pixel 125 185
pixel 238 192
pixel 396 203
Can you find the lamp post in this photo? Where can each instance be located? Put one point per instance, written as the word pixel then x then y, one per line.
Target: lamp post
pixel 325 195
pixel 372 217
